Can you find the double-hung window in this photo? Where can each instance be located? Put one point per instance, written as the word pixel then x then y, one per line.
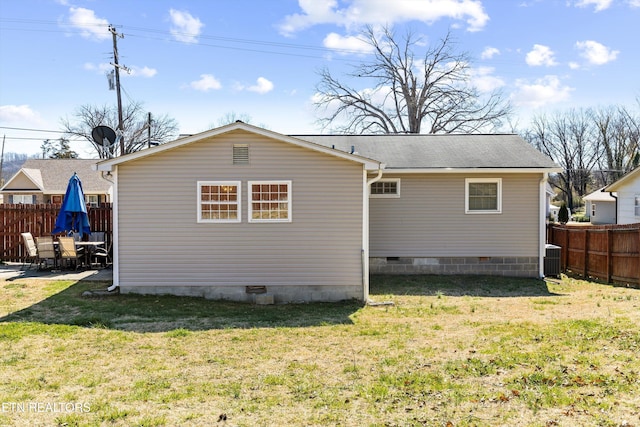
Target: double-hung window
pixel 637 205
pixel 219 201
pixel 483 195
pixel 269 201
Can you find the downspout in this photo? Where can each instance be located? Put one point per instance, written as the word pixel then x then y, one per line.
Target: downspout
pixel 543 223
pixel 365 231
pixel 616 205
pixel 114 236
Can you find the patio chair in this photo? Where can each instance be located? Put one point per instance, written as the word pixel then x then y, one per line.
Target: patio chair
pixel 101 255
pixel 31 251
pixel 68 252
pixel 46 251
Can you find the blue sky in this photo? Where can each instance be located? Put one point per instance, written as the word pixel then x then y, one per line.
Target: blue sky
pixel 198 61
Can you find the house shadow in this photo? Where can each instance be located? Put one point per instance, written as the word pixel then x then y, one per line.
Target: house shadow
pixel 152 313
pixel 458 285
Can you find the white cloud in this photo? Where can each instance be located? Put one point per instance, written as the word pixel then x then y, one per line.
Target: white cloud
pixel 544 91
pixel 262 86
pixel 360 12
pixel 599 4
pixel 101 68
pixel 135 71
pixel 18 113
pixel 596 53
pixel 489 52
pixel 184 27
pixel 540 55
pixel 349 43
pixel 634 3
pixel 206 83
pixel 143 71
pixel 90 26
pixel 483 79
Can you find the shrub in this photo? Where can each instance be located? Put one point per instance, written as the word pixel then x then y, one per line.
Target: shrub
pixel 563 214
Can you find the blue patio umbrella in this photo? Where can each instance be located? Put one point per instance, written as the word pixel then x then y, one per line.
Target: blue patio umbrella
pixel 73 212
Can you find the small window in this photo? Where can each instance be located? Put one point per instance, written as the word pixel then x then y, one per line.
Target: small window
pixel 593 210
pixel 240 154
pixel 637 205
pixel 385 188
pixel 483 195
pixel 269 201
pixel 218 201
pixel 92 200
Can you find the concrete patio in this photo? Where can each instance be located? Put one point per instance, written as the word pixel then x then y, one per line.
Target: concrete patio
pixel 14 271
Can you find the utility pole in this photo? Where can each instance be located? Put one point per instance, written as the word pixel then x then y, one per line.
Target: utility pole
pixel 117 67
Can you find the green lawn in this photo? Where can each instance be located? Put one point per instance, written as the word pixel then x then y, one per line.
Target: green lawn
pixel 459 351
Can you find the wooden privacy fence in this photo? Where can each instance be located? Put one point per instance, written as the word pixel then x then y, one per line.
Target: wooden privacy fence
pixel 39 220
pixel 610 253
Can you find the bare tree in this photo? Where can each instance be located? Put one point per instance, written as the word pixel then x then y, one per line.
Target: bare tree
pixel 138 132
pixel 570 140
pixel 619 136
pixel 409 93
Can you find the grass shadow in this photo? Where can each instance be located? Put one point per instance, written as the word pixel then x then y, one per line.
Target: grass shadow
pixel 462 285
pixel 145 313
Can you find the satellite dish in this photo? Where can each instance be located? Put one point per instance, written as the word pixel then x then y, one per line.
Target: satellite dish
pixel 103 135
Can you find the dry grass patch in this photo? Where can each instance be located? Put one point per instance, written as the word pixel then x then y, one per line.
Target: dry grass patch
pixel 470 351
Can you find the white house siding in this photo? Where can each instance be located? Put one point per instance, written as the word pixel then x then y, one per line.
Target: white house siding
pixel 605 212
pixel 162 249
pixel 427 230
pixel 626 202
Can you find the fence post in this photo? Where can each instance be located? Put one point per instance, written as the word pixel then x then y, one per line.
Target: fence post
pixel 586 252
pixel 609 257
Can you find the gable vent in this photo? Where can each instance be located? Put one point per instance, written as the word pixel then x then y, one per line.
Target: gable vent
pixel 240 154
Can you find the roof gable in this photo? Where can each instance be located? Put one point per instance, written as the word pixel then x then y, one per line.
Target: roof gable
pixel 625 180
pixel 25 180
pixel 368 163
pixel 51 176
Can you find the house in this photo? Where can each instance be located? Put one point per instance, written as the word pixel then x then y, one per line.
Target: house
pixel 45 181
pixel 600 206
pixel 240 209
pixel 627 191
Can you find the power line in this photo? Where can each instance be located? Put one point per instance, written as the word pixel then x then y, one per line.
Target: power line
pixel 32 130
pixel 146 34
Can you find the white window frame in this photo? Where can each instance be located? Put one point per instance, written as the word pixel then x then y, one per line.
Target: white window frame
pixel 593 209
pixel 289 201
pixel 637 205
pixel 238 201
pixel 497 181
pixel 22 196
pixel 386 195
pixel 92 200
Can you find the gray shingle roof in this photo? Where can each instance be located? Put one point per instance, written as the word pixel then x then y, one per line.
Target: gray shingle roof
pixel 420 151
pixel 56 173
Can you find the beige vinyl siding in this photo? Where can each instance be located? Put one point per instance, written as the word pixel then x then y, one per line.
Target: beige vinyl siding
pixel 161 243
pixel 429 220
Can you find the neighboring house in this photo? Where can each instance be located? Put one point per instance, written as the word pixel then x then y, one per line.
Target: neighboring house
pixel 627 191
pixel 240 209
pixel 45 181
pixel 600 207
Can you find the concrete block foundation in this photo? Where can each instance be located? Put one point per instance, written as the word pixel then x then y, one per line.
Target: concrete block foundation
pixel 491 266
